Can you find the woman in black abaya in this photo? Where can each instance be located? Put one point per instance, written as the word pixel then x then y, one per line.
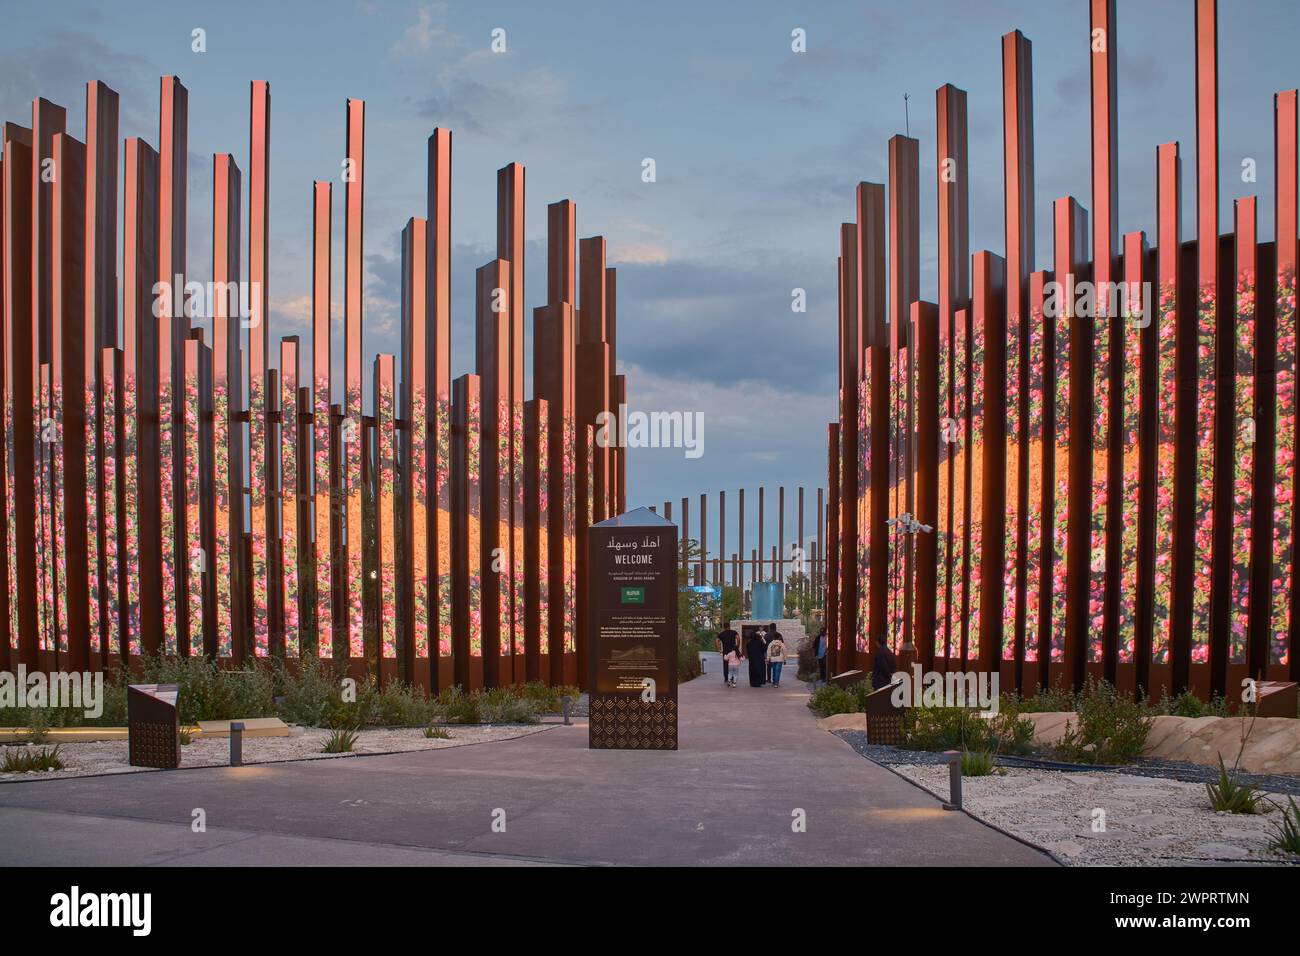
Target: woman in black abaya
pixel 756 652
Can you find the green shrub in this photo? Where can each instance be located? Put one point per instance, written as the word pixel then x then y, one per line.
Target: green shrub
pixel 977 763
pixel 1286 831
pixel 860 691
pixel 1111 728
pixel 547 700
pixel 1054 699
pixel 399 705
pixel 1231 795
pixel 114 714
pixel 508 710
pixel 38 725
pixel 1188 704
pixel 436 733
pixel 305 697
pixel 44 718
pixel 965 728
pixel 28 760
pixel 341 741
pixel 688 658
pixel 457 707
pixel 808 659
pixel 209 692
pixel 829 699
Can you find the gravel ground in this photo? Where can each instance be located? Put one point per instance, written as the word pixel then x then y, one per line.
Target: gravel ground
pixel 1148 821
pixel 1152 817
pixel 88 759
pixel 1146 767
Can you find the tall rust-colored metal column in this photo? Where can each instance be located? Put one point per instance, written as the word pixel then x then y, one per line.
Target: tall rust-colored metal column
pixel 72 387
pixel 143 506
pixel 173 328
pixel 952 163
pixel 414 572
pixel 553 380
pixel 873 284
pixel 324 493
pixel 1279 614
pixel 348 640
pixel 492 339
pixel 437 408
pixel 101 331
pixel 261 521
pixel 510 247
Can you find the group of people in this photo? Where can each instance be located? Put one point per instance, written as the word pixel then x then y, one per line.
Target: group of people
pixel 764 650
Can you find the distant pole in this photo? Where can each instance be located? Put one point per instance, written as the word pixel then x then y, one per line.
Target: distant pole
pixel 722 538
pixel 686 535
pixel 780 533
pixel 807 568
pixel 740 546
pixel 704 538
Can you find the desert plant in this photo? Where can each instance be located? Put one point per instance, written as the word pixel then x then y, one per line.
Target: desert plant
pixel 807 658
pixel 436 733
pixel 977 763
pixel 829 699
pixel 688 657
pixel 966 728
pixel 210 692
pixel 1188 704
pixel 38 725
pixel 1230 795
pixel 304 697
pixel 26 760
pixel 1286 831
pixel 508 710
pixel 454 706
pixel 547 700
pixel 1056 698
pixel 187 735
pixel 341 741
pixel 401 705
pixel 1111 728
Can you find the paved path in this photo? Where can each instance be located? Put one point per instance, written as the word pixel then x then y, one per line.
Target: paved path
pixel 748 759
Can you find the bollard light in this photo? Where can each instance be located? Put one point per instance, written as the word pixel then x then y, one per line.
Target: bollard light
pixel 566 711
pixel 954 779
pixel 236 745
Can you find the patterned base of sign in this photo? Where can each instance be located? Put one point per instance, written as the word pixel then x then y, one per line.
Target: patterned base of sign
pixel 885 729
pixel 628 723
pixel 155 745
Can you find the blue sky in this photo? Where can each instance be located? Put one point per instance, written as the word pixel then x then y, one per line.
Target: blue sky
pixel 757 151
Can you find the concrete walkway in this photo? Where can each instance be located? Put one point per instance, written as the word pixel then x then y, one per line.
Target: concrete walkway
pixel 750 761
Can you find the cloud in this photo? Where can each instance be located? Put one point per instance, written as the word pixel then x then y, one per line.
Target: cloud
pixel 706 322
pixel 423 35
pixel 639 253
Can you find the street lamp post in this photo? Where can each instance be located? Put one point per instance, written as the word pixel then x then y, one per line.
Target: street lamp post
pixel 906 524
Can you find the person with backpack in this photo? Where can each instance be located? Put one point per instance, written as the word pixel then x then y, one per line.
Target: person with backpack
pixel 768 637
pixel 776 657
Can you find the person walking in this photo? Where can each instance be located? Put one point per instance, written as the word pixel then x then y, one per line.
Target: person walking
pixel 756 654
pixel 730 668
pixel 771 635
pixel 727 643
pixel 776 659
pixel 821 654
pixel 882 668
